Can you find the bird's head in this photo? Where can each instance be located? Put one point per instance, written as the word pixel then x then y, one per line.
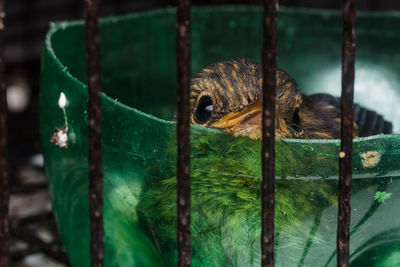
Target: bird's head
pixel 228 96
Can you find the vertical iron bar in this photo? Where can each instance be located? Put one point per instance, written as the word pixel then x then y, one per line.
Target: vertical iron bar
pixel 4 182
pixel 346 132
pixel 268 132
pixel 183 132
pixel 95 127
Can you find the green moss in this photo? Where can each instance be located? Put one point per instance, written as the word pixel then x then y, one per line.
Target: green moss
pixel 226 204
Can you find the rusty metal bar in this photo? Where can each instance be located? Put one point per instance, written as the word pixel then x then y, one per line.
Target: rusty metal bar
pixel 346 132
pixel 183 132
pixel 95 127
pixel 4 177
pixel 268 132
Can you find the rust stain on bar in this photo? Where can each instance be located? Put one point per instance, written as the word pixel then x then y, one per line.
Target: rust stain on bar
pixel 183 132
pixel 4 182
pixel 346 132
pixel 95 128
pixel 268 132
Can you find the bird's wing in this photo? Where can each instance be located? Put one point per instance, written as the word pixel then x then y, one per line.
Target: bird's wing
pixel 369 122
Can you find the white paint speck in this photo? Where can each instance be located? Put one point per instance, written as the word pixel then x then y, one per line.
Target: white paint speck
pixel 62 101
pixel 60 138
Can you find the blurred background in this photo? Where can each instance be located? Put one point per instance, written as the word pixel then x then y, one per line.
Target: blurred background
pixel 34 236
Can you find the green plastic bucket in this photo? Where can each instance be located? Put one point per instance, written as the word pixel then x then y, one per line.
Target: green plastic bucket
pixel 139 142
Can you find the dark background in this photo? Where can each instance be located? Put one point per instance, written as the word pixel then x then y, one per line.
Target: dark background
pixel 26 25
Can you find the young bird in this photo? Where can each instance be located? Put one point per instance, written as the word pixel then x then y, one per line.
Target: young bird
pixel 228 96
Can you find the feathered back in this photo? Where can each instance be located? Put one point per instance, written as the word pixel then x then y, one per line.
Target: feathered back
pixel 368 122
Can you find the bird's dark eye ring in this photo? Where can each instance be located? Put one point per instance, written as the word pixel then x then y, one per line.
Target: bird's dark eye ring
pixel 296 121
pixel 204 110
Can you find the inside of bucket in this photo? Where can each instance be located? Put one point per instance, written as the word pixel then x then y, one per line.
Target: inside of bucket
pixel 138 54
pixel 139 69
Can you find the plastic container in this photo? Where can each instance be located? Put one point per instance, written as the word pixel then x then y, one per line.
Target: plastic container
pixel 139 142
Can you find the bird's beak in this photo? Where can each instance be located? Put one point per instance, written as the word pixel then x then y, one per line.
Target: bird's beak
pixel 250 115
pixel 248 122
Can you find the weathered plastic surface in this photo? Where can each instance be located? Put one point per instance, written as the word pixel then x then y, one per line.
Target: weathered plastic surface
pixel 139 80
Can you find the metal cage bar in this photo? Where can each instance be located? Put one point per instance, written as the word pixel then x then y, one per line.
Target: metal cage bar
pixel 268 132
pixel 346 132
pixel 183 132
pixel 95 132
pixel 4 177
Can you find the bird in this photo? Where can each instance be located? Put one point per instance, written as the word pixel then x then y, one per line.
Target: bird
pixel 228 96
pixel 225 177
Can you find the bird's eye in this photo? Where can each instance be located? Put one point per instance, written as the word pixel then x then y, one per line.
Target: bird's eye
pixel 204 110
pixel 296 121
